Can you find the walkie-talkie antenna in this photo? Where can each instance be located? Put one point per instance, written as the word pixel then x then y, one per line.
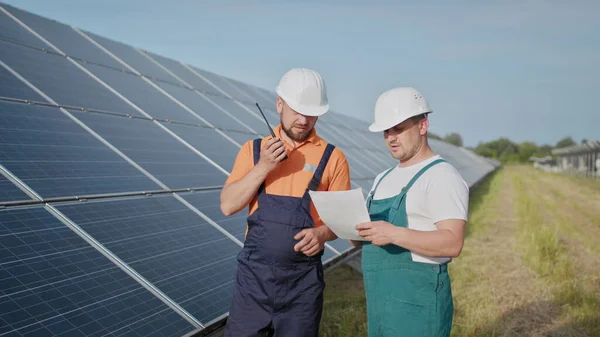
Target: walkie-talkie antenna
pixel 269 126
pixel 261 112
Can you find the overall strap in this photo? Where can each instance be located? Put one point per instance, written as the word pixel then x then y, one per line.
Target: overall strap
pixel 372 193
pixel 421 171
pixel 256 152
pixel 316 178
pixel 405 189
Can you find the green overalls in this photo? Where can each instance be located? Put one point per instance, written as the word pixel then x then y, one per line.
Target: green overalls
pixel 404 298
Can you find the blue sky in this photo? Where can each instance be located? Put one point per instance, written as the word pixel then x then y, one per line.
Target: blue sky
pixel 526 70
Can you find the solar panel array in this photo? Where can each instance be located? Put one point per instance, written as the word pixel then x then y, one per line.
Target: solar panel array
pixel 111 164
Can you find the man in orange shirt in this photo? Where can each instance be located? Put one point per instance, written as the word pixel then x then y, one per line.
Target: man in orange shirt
pixel 279 283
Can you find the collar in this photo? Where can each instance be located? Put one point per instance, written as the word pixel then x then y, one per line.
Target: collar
pixel 312 137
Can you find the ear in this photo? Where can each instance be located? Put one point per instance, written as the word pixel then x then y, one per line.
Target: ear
pixel 423 126
pixel 279 105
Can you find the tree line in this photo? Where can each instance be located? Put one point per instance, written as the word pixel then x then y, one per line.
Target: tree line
pixel 506 151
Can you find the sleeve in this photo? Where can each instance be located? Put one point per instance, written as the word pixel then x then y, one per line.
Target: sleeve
pixel 340 177
pixel 244 162
pixel 448 196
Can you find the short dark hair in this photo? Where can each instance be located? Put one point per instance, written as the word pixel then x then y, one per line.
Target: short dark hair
pixel 416 119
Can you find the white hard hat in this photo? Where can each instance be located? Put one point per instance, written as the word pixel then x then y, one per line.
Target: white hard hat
pixel 397 105
pixel 304 91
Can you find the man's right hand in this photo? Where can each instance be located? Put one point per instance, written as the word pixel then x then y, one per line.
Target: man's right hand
pixel 272 152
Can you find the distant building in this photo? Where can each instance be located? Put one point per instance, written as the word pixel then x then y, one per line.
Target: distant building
pixel 581 159
pixel 545 163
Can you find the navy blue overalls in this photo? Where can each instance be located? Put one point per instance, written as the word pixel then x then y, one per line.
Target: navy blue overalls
pixel 278 292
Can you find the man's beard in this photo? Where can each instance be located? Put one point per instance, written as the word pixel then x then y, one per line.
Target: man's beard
pixel 296 137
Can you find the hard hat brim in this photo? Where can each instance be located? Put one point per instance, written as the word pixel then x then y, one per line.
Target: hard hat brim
pixel 305 110
pixel 382 127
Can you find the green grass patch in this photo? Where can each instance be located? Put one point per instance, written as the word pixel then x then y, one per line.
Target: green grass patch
pixel 543 251
pixel 345 307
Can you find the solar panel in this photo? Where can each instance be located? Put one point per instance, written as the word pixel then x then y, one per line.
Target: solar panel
pixel 143 95
pixel 65 38
pixel 59 79
pixel 58 158
pixel 56 284
pixel 168 244
pixel 208 203
pixel 141 186
pixel 10 192
pixel 153 149
pixel 12 87
pixel 11 31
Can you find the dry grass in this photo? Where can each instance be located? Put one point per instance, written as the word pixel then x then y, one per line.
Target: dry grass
pixel 530 266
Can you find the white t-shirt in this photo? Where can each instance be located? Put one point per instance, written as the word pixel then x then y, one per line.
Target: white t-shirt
pixel 438 194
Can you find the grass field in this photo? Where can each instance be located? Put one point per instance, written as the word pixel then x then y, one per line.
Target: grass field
pixel 530 265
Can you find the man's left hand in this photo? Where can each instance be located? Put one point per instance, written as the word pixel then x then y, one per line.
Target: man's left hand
pixel 380 233
pixel 312 241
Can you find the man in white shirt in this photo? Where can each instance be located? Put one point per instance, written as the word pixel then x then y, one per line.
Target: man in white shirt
pixel 418 212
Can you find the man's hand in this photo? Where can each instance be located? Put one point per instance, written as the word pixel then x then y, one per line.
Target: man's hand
pixel 380 233
pixel 272 152
pixel 312 241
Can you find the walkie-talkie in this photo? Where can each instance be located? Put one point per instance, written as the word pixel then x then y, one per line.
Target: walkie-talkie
pixel 269 126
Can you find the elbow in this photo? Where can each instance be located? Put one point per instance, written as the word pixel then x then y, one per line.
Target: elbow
pixel 226 209
pixel 455 250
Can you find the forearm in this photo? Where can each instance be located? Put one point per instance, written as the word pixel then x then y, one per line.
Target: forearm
pixel 237 195
pixel 437 243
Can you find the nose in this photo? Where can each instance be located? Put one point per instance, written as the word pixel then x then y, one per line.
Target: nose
pixel 302 120
pixel 390 136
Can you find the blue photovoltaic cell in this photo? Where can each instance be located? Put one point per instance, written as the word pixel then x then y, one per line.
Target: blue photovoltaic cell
pixel 64 38
pixel 208 141
pixel 171 246
pixel 56 157
pixel 203 108
pixel 222 83
pixel 61 80
pixel 132 57
pixel 142 94
pixel 245 116
pixel 56 284
pixel 155 150
pixel 248 93
pixel 209 203
pixel 271 115
pixel 10 29
pixel 10 192
pixel 183 73
pixel 12 87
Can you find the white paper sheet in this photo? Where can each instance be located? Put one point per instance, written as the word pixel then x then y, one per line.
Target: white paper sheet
pixel 341 211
